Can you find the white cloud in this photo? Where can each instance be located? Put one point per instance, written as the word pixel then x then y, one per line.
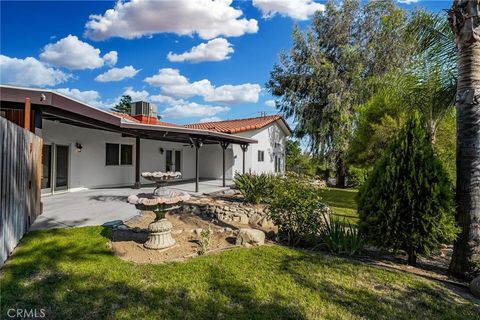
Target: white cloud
pixel 270 103
pixel 111 58
pixel 173 84
pixel 408 1
pixel 29 72
pixel 211 119
pixel 297 9
pixel 72 53
pixel 192 109
pixel 90 97
pixel 137 18
pixel 214 50
pixel 142 95
pixel 164 99
pixel 247 92
pixel 117 74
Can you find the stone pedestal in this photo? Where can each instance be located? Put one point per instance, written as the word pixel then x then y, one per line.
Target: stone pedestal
pixel 160 235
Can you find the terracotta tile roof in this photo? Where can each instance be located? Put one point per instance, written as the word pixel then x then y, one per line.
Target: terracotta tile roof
pixel 124 116
pixel 239 125
pixel 143 119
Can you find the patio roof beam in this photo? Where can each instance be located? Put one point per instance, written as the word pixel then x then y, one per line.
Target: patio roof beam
pixel 244 149
pixel 137 184
pixel 198 144
pixel 224 146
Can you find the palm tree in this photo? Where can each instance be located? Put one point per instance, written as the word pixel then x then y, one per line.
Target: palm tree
pixel 430 82
pixel 464 18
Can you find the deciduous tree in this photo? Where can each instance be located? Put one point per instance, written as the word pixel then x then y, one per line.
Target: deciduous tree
pixel 328 69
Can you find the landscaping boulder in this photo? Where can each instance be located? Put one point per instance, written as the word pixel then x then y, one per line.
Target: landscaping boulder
pixel 243 218
pixel 475 286
pixel 250 236
pixel 255 219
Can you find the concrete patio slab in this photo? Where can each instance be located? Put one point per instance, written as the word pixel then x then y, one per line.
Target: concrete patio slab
pixel 94 207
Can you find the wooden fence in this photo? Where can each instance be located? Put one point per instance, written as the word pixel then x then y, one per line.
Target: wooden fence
pixel 20 188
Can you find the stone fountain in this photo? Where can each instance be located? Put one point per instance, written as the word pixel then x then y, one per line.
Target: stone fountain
pixel 160 201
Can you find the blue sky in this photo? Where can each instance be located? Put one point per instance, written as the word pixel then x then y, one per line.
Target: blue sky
pixel 220 55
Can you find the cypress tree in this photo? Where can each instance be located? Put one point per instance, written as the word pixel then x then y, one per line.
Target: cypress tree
pixel 407 202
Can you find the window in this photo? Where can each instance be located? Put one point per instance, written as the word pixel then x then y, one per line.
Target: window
pixel 126 154
pixel 112 154
pixel 278 164
pixel 261 156
pixel 118 154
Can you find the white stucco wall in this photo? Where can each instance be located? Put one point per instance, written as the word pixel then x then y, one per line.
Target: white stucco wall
pixel 266 137
pixel 87 168
pixel 211 158
pixel 151 159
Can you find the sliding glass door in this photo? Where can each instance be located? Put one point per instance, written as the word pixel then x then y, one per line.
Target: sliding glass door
pixel 55 168
pixel 61 168
pixel 173 160
pixel 47 168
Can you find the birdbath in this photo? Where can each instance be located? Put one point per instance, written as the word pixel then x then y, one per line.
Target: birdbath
pixel 160 201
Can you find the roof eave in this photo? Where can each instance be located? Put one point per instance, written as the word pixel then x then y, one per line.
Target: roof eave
pixel 195 132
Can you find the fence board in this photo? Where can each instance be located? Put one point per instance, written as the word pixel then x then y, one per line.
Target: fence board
pixel 20 169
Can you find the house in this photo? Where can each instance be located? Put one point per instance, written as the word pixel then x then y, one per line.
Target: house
pixel 86 147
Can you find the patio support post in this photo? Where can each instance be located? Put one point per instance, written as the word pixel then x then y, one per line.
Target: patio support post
pixel 224 146
pixel 27 113
pixel 137 184
pixel 197 144
pixel 244 149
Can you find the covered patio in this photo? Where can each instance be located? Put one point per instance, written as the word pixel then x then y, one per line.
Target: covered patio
pixel 73 125
pixel 99 206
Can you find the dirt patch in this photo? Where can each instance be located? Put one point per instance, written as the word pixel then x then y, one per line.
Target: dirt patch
pixel 128 244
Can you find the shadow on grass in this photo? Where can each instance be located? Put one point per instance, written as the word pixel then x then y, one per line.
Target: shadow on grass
pixel 72 278
pixel 388 298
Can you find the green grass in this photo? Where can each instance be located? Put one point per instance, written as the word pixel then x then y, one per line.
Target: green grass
pixel 342 202
pixel 72 274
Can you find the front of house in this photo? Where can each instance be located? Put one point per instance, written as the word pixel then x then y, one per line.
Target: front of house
pixel 84 147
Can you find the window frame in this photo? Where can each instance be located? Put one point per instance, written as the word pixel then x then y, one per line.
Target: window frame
pixel 119 155
pixel 122 145
pixel 262 158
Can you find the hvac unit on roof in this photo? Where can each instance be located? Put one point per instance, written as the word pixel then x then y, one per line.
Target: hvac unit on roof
pixel 143 107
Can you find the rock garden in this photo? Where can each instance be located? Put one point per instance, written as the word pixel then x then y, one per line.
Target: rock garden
pixel 202 225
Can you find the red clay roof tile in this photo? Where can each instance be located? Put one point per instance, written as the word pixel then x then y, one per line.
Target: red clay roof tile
pixel 239 125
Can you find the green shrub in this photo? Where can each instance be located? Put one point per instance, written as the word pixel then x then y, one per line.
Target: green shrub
pixel 254 188
pixel 407 202
pixel 356 177
pixel 204 241
pixel 297 210
pixel 341 237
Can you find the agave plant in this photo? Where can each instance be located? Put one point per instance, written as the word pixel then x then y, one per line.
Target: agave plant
pixel 254 188
pixel 341 237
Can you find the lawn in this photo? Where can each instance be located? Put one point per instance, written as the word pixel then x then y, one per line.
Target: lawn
pixel 72 274
pixel 342 202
